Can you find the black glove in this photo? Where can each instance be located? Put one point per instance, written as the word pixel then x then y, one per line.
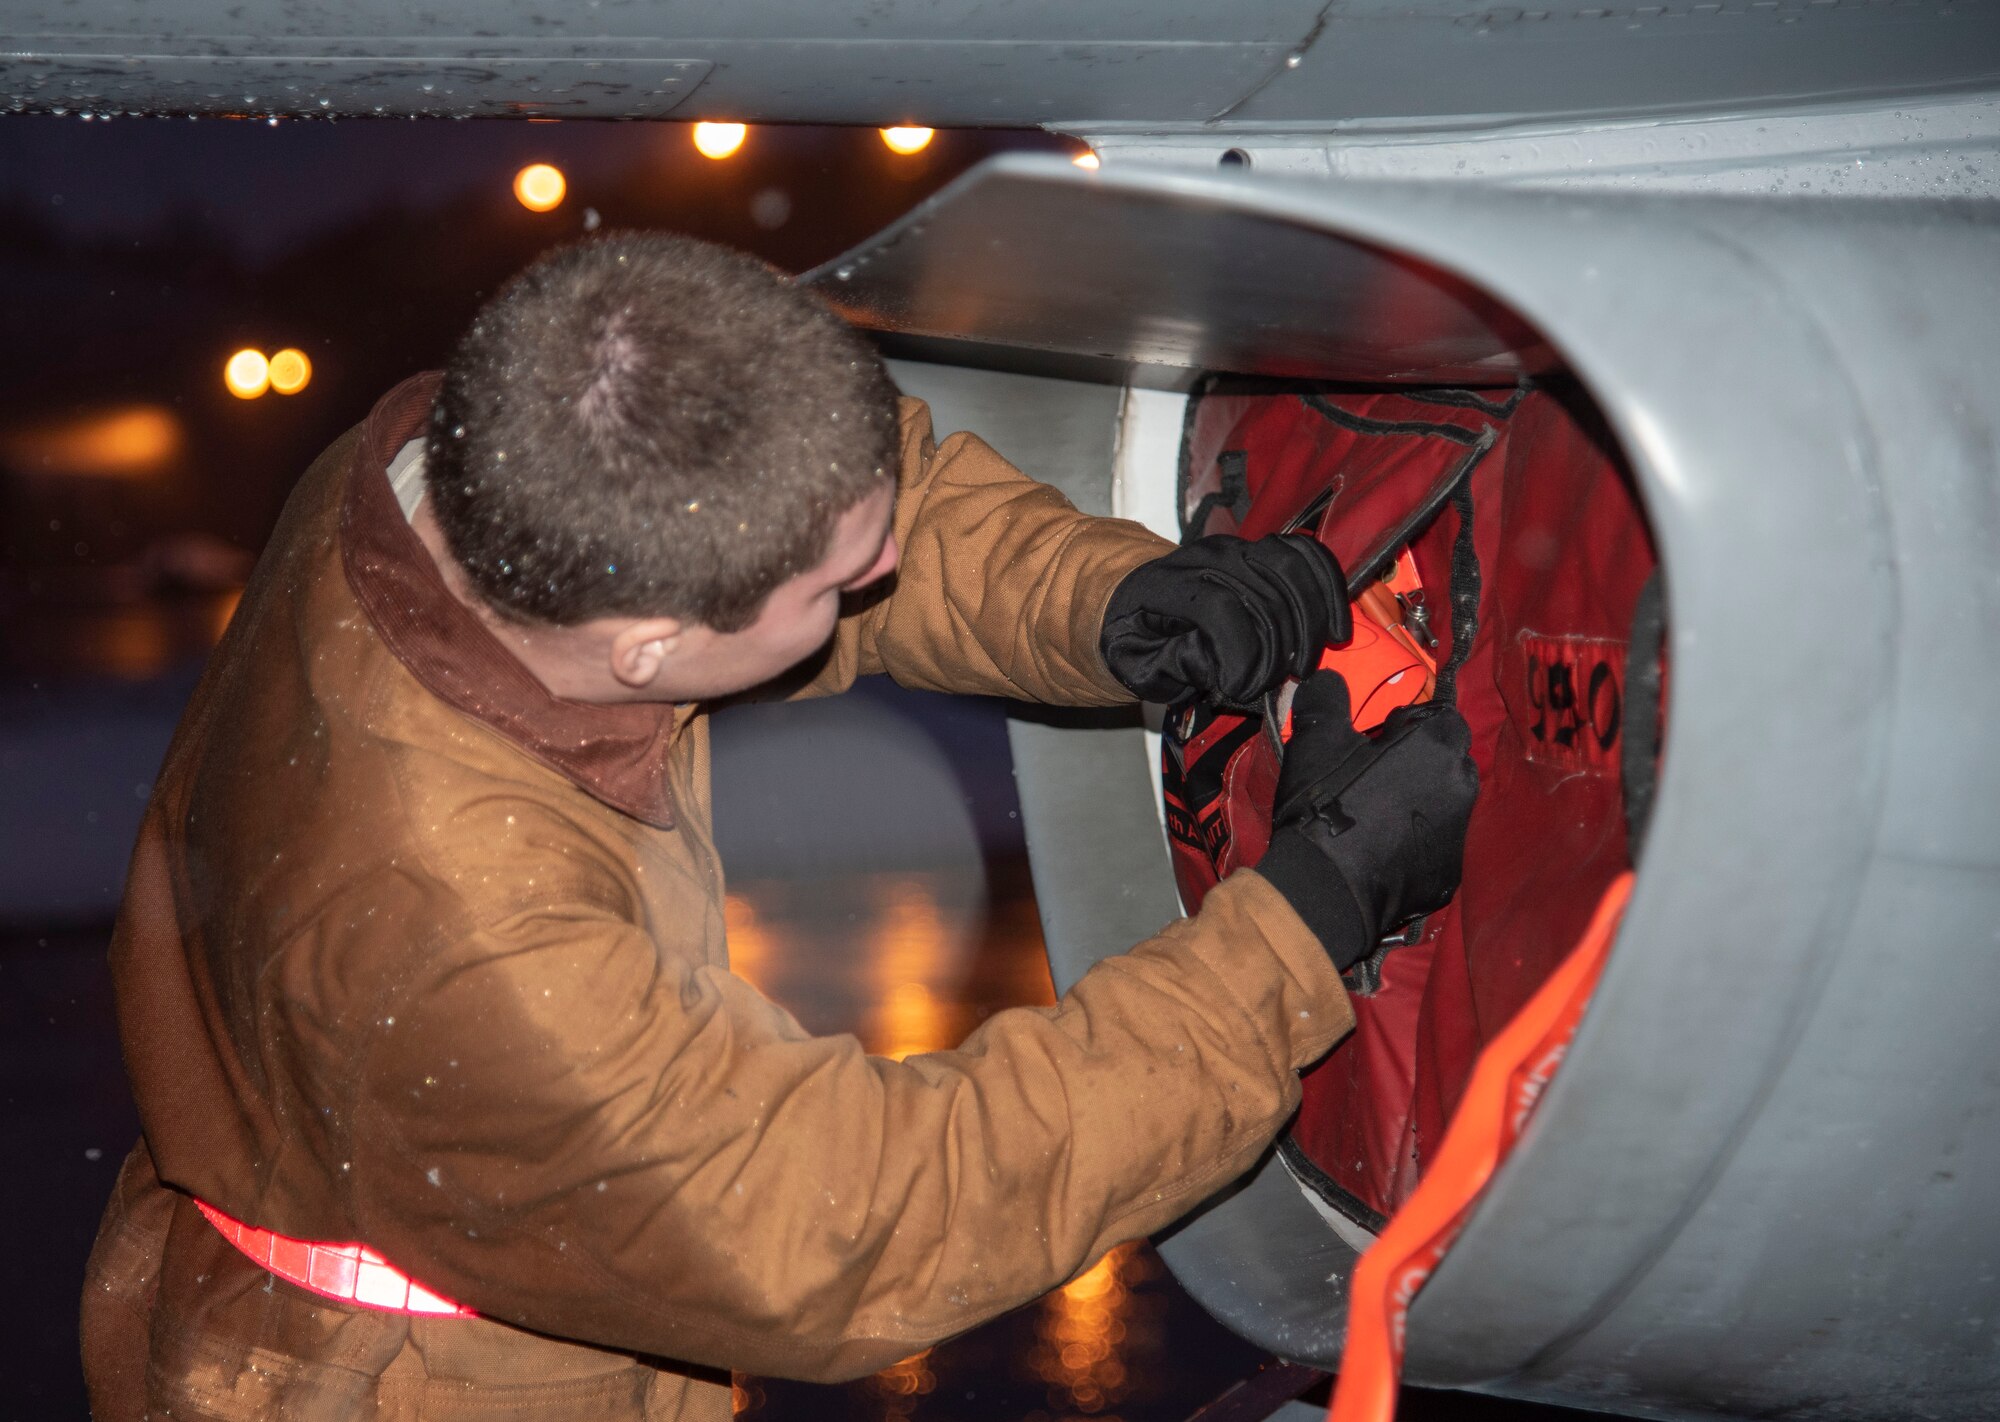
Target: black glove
pixel 1225 618
pixel 1368 831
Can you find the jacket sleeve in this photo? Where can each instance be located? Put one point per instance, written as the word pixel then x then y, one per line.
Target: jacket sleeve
pixel 570 1130
pixel 1002 585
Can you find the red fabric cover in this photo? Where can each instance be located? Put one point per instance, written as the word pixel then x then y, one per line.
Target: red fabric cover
pixel 1289 454
pixel 1562 564
pixel 1295 453
pixel 1562 552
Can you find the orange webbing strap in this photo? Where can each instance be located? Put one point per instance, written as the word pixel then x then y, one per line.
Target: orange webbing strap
pixel 352 1273
pixel 1507 1082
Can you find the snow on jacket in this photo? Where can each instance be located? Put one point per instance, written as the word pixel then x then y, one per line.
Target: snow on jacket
pixel 415 954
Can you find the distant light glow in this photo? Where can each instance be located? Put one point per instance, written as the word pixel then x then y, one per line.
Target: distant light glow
pixel 539 187
pixel 128 443
pixel 771 208
pixel 290 371
pixel 719 140
pixel 1087 160
pixel 1089 1334
pixel 907 140
pixel 247 374
pixel 224 609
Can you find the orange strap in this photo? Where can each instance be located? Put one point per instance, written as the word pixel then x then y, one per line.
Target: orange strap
pixel 352 1273
pixel 1507 1082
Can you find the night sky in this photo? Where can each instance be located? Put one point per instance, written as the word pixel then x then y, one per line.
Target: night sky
pixel 139 253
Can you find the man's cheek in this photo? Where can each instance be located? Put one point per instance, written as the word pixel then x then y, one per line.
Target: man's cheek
pixel 811 632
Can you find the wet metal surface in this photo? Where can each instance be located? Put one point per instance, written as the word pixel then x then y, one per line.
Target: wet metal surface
pixel 1183 65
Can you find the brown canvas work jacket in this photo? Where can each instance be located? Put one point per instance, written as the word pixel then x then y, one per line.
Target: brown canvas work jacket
pixel 415 954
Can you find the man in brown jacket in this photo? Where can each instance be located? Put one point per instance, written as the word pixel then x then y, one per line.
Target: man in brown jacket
pixel 423 945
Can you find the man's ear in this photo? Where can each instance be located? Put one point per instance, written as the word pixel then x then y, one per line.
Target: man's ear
pixel 641 648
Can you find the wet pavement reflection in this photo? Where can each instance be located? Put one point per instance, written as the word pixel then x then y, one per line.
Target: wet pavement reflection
pixel 1095 1327
pixel 912 962
pixel 908 962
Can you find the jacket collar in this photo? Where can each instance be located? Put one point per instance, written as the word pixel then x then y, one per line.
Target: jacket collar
pixel 618 754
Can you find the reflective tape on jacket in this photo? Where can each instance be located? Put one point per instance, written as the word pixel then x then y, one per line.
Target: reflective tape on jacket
pixel 350 1273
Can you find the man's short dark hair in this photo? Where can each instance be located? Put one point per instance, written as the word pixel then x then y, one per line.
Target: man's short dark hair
pixel 646 425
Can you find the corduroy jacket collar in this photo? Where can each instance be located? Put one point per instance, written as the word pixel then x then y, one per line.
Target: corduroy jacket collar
pixel 616 753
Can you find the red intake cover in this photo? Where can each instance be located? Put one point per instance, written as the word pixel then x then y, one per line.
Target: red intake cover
pixel 1553 564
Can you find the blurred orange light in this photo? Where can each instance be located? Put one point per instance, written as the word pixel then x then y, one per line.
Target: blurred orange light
pixel 222 611
pixel 907 140
pixel 719 140
pixel 539 187
pixel 247 375
pixel 290 371
pixel 1086 160
pixel 113 444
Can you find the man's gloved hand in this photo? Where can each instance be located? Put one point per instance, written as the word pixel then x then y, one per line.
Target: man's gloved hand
pixel 1225 618
pixel 1368 831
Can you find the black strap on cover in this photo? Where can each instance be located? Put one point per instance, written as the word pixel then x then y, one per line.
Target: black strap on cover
pixel 1233 496
pixel 1465 584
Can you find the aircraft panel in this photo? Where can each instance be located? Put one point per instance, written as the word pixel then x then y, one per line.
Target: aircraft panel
pixel 1742 1193
pixel 959 62
pixel 1188 66
pixel 1928 148
pixel 883 21
pixel 1477 63
pixel 1054 279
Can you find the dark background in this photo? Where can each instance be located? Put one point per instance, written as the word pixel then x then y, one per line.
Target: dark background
pixel 137 254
